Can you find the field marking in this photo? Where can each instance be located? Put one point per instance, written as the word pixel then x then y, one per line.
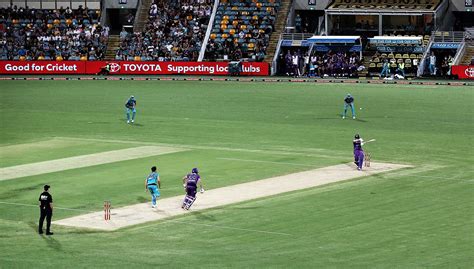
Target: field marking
pixel 301 152
pixel 211 226
pixel 56 207
pixel 40 145
pixel 170 207
pixel 33 169
pixel 260 161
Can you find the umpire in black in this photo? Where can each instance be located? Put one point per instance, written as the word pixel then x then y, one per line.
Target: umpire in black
pixel 46 210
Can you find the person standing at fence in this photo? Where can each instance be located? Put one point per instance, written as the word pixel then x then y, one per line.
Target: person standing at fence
pixel 401 69
pixel 432 64
pixel 385 69
pixel 349 102
pixel 46 210
pixel 152 184
pixel 130 108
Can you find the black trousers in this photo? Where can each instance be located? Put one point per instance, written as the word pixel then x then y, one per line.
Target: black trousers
pixel 48 214
pixel 103 71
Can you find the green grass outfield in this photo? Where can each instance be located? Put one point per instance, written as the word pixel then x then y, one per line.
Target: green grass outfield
pixel 239 132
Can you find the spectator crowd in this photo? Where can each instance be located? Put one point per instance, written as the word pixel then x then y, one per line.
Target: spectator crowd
pixel 242 30
pixel 330 64
pixel 60 34
pixel 174 32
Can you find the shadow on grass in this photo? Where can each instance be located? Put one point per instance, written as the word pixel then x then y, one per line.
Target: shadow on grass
pixel 52 243
pixel 124 121
pixel 142 199
pixel 84 232
pixel 247 208
pixel 203 216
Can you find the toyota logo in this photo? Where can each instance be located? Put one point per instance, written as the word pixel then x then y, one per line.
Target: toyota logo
pixel 114 67
pixel 469 72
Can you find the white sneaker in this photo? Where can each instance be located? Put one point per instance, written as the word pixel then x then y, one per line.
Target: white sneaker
pixel 128 121
pixel 153 206
pixel 133 121
pixel 353 118
pixel 343 117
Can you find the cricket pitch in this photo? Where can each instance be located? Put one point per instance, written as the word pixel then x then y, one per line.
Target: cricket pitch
pixel 170 207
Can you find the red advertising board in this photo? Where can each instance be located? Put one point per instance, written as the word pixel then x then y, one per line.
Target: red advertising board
pixel 177 68
pixel 42 67
pixel 463 71
pixel 130 68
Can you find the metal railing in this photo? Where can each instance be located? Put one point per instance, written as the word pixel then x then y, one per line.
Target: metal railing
pixel 422 65
pixel 202 52
pixel 448 36
pixel 469 34
pixel 459 54
pixel 295 36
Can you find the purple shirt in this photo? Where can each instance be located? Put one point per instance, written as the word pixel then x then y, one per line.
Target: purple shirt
pixel 357 144
pixel 192 180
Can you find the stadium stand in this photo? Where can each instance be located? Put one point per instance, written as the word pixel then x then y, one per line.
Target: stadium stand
pixel 174 32
pixel 56 34
pixel 242 30
pixel 395 50
pixel 409 5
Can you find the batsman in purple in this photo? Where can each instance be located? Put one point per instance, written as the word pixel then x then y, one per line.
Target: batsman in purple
pixel 190 183
pixel 358 142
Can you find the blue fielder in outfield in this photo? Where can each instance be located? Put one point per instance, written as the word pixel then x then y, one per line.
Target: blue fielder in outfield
pixel 349 102
pixel 358 151
pixel 152 184
pixel 130 108
pixel 190 183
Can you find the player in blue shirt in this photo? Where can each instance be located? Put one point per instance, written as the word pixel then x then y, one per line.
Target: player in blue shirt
pixel 349 102
pixel 130 107
pixel 152 184
pixel 190 183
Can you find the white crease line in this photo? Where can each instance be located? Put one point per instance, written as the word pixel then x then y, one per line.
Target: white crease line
pixel 55 207
pixel 260 161
pixel 333 155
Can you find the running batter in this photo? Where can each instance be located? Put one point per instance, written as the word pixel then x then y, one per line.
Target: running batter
pixel 190 183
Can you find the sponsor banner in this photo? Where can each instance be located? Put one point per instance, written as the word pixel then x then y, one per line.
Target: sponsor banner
pixel 463 71
pixel 445 45
pixel 42 67
pixel 130 68
pixel 410 49
pixel 177 68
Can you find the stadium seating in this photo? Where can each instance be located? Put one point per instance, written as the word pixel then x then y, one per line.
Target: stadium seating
pixel 63 34
pixel 242 29
pixel 411 60
pixel 174 32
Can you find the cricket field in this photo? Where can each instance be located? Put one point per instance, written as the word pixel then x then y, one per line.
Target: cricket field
pixel 73 136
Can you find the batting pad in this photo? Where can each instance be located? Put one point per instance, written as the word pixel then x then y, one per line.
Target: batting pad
pixel 188 201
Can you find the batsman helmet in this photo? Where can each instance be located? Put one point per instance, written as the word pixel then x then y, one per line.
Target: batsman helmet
pixel 195 171
pixel 357 136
